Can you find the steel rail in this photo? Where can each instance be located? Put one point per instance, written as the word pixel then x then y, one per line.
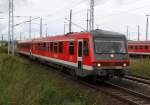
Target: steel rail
pixel 146 78
pixel 133 97
pixel 139 79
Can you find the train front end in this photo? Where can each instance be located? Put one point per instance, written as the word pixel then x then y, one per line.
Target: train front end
pixel 110 54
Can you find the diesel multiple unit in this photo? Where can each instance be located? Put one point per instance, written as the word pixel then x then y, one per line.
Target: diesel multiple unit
pixel 97 53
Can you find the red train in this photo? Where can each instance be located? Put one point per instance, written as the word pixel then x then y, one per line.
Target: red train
pixel 139 48
pixel 97 53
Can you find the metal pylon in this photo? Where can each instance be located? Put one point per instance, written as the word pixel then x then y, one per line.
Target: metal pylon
pixel 11 46
pixel 91 26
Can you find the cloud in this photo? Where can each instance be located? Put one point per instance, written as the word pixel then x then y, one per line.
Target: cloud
pixel 97 2
pixel 5 3
pixel 101 2
pixel 2 26
pixel 126 2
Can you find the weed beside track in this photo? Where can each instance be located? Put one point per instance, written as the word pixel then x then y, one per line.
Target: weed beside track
pixel 26 83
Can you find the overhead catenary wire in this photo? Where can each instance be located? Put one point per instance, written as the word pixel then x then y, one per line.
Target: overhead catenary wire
pixel 75 13
pixel 73 4
pixel 125 11
pixel 78 26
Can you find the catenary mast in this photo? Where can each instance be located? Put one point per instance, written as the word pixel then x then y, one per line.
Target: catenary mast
pixel 11 44
pixel 91 26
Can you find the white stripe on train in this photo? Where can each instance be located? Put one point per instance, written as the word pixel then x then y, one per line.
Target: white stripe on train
pixel 58 60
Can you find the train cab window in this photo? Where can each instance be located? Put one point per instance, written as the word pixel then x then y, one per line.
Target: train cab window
pixel 146 47
pixel 51 46
pixel 71 48
pixel 55 47
pixel 86 50
pixel 60 47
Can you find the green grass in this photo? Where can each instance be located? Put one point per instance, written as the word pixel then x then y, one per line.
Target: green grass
pixel 26 83
pixel 141 67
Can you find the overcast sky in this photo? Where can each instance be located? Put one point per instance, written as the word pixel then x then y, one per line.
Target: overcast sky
pixel 113 15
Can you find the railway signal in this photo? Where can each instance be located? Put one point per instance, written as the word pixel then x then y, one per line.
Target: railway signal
pixel 28 21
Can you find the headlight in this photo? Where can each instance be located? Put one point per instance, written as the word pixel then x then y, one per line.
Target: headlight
pixel 112 55
pixel 98 65
pixel 124 64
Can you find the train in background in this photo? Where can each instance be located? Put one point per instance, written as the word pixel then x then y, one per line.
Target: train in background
pixel 139 48
pixel 98 53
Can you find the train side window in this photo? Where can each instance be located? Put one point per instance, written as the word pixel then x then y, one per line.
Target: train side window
pixel 51 46
pixel 134 47
pixel 131 47
pixel 71 48
pixel 146 47
pixel 141 47
pixel 37 46
pixel 55 47
pixel 137 47
pixel 43 46
pixel 61 47
pixel 86 50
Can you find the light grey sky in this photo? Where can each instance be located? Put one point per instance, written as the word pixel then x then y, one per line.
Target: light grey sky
pixel 113 15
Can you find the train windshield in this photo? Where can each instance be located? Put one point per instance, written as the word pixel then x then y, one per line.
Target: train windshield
pixel 110 46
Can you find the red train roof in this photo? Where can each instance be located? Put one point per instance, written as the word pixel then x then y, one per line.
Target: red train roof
pixel 82 35
pixel 60 37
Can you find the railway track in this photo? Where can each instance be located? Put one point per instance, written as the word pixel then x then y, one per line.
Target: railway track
pixel 120 93
pixel 139 79
pixel 127 95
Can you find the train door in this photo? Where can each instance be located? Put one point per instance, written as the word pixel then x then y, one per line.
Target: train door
pixel 80 54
